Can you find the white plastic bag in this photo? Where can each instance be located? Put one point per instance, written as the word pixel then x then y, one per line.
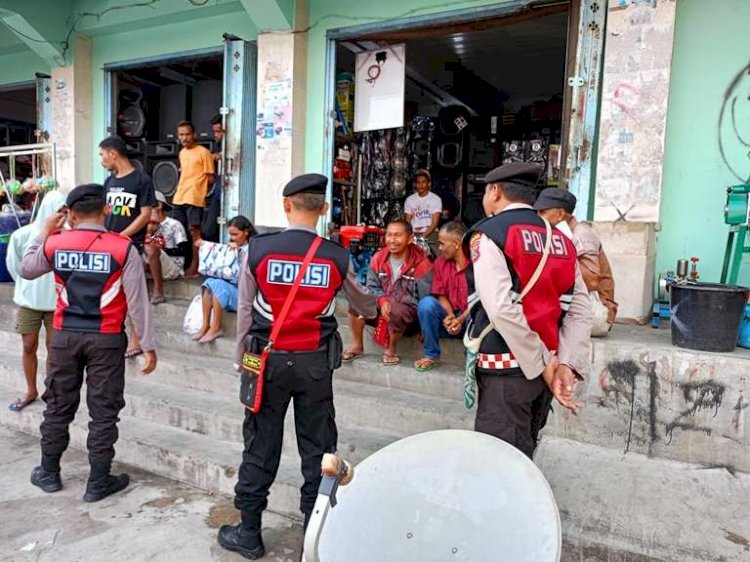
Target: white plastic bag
pixel 193 321
pixel 600 327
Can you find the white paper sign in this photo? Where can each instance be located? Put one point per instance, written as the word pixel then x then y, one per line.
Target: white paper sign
pixel 380 78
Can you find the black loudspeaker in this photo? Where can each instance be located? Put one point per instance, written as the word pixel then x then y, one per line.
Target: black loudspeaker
pixel 473 208
pixel 138 165
pixel 166 175
pixel 207 96
pixel 174 106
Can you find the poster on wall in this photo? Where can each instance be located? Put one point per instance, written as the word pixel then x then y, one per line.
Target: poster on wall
pixel 380 78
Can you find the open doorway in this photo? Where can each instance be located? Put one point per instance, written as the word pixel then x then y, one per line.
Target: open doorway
pixel 502 80
pixel 18 116
pixel 150 99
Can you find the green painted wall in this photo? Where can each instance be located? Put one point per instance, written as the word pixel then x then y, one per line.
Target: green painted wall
pixel 711 47
pixel 331 14
pixel 21 67
pixel 173 38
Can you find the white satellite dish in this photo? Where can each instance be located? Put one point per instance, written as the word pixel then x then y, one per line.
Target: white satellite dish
pixel 449 495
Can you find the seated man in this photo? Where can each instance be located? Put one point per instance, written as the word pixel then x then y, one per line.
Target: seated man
pixel 165 248
pixel 443 313
pixel 399 275
pixel 557 206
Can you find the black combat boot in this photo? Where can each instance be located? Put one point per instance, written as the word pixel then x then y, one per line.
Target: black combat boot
pixel 244 538
pixel 47 476
pixel 102 484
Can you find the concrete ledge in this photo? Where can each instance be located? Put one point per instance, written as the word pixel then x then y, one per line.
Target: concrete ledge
pixel 646 396
pixel 617 507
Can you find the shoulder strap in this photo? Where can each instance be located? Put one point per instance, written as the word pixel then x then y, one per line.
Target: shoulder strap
pixel 472 344
pixel 542 262
pixel 279 322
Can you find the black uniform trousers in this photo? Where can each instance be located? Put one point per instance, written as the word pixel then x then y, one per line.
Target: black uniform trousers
pixel 305 379
pixel 101 357
pixel 512 408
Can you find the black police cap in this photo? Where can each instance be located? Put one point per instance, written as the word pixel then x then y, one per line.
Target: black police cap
pixel 525 173
pixel 306 183
pixel 86 192
pixel 556 198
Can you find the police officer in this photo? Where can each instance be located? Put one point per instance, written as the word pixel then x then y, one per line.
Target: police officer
pixel 516 338
pixel 301 365
pixel 99 277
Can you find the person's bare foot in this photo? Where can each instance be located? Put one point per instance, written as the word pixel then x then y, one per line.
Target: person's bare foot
pixel 211 336
pixel 199 335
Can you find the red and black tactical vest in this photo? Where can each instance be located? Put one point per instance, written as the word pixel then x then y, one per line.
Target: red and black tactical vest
pixel 274 260
pixel 521 236
pixel 88 276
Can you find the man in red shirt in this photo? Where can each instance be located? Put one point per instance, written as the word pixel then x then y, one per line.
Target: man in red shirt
pixel 443 313
pixel 399 275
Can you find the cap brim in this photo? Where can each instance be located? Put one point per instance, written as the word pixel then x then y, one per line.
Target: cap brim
pixel 543 206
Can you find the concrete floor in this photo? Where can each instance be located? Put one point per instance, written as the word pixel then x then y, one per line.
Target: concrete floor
pixel 154 519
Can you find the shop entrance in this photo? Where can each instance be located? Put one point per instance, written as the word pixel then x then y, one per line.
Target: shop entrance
pixel 478 93
pixel 18 124
pixel 150 100
pixel 147 99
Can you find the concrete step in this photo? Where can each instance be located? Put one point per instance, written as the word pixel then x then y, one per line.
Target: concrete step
pixel 182 361
pixel 162 398
pixel 196 460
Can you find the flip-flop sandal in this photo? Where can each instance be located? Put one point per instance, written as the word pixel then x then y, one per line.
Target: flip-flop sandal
pixel 158 299
pixel 424 365
pixel 130 353
pixel 349 356
pixel 390 360
pixel 20 404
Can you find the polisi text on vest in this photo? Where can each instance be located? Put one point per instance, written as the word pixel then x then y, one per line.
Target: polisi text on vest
pixel 91 262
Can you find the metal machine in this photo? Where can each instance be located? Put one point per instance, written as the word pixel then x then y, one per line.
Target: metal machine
pixel 737 216
pixel 661 307
pixel 442 495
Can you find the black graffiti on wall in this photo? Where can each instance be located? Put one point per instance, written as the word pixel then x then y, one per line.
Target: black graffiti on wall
pixel 619 382
pixel 701 395
pixel 734 126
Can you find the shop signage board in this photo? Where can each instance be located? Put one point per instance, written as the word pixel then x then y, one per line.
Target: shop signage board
pixel 379 90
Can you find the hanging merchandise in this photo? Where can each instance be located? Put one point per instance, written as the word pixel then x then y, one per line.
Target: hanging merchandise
pixel 399 178
pixel 514 151
pixel 420 142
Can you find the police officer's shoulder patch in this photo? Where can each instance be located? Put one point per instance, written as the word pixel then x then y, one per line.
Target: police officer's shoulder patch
pixel 474 246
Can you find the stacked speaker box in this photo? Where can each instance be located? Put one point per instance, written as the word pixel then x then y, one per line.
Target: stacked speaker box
pixel 163 165
pixel 175 106
pixel 206 103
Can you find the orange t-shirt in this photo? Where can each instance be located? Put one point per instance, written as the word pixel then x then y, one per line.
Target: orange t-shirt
pixel 196 164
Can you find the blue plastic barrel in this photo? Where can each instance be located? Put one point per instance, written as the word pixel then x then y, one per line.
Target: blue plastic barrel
pixel 744 339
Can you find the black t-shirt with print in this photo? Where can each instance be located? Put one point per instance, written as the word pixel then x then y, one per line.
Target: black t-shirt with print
pixel 126 196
